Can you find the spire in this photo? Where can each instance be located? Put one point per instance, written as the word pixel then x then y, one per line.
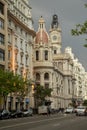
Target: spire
pixel 42 35
pixel 54 21
pixel 41 23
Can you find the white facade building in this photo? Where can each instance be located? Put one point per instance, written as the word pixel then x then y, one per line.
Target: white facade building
pixel 80 77
pixel 52 68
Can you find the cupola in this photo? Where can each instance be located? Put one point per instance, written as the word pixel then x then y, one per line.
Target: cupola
pixel 41 35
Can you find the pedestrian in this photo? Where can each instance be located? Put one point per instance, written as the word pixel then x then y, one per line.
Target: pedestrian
pixel 48 110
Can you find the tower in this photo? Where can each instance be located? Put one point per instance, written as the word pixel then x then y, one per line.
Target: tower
pixel 55 35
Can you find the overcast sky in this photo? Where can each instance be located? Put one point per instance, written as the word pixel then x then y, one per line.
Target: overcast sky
pixel 70 13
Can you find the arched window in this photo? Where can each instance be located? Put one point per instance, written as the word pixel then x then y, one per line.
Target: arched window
pixel 46 76
pixel 1 8
pixel 46 55
pixel 37 76
pixel 37 55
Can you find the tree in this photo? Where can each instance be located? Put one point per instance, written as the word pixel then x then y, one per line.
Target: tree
pixel 6 81
pixel 85 103
pixel 80 29
pixel 24 89
pixel 41 93
pixel 10 83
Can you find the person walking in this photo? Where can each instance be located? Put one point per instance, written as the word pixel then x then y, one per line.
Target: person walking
pixel 48 110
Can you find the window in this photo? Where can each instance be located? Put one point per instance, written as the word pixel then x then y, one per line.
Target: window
pixel 46 55
pixel 37 76
pixel 2 67
pixel 16 41
pixel 37 55
pixel 54 51
pixel 19 5
pixel 68 87
pixel 16 3
pixel 57 90
pixel 21 31
pixel 26 35
pixel 16 57
pixel 21 43
pixel 37 84
pixel 9 38
pixel 26 60
pixel 24 10
pixel 1 8
pixel 10 22
pixel 16 70
pixel 16 27
pixel 9 54
pixel 26 47
pixel 46 85
pixel 21 59
pixel 2 55
pixel 21 72
pixel 1 23
pixel 46 76
pixel 1 38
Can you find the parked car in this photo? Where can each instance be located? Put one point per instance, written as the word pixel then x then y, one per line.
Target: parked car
pixel 81 110
pixel 15 114
pixel 69 110
pixel 28 112
pixel 4 114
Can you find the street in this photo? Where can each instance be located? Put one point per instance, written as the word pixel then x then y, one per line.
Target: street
pixel 44 122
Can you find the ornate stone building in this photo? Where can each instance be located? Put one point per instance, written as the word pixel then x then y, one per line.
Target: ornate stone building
pixel 16 42
pixel 38 58
pixel 3 35
pixel 52 68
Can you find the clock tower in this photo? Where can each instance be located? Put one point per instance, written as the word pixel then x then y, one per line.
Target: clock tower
pixel 55 35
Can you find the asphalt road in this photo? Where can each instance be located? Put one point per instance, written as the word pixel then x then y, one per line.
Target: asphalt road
pixel 53 122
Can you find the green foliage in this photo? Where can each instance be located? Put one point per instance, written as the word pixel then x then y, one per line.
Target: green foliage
pixel 80 29
pixel 85 103
pixel 41 93
pixel 10 83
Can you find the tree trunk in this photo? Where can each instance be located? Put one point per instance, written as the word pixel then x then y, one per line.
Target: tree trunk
pixel 5 102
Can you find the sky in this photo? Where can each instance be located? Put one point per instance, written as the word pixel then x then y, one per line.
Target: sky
pixel 70 13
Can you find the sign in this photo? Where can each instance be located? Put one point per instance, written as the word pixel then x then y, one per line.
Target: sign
pixel 27 100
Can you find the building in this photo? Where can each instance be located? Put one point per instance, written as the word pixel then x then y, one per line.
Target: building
pixel 3 35
pixel 16 42
pixel 80 88
pixel 37 56
pixel 52 68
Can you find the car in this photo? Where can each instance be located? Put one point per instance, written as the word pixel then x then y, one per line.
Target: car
pixel 4 114
pixel 17 113
pixel 81 110
pixel 28 112
pixel 69 110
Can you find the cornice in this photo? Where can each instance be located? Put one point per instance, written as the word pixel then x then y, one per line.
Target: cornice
pixel 16 20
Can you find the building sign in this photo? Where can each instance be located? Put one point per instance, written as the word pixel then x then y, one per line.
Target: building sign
pixel 27 100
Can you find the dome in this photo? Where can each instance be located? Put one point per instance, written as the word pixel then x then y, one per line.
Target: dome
pixel 41 35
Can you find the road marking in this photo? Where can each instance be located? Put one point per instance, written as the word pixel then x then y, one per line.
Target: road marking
pixel 21 124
